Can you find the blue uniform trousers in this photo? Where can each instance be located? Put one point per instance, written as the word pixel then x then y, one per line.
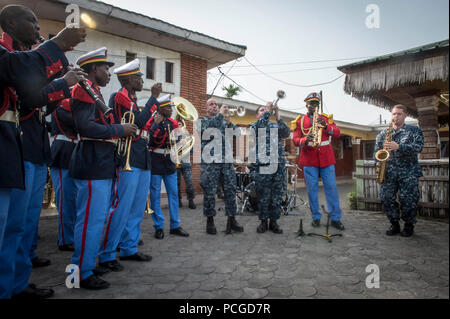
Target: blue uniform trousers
pixel 125 216
pixel 21 231
pixel 170 182
pixel 329 184
pixel 93 204
pixel 5 198
pixel 65 195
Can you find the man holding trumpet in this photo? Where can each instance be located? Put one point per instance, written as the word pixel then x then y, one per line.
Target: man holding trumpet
pixel 127 211
pixel 269 183
pixel 216 168
pixel 93 165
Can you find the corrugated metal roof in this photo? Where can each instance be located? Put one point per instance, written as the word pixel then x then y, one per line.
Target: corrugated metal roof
pixel 423 48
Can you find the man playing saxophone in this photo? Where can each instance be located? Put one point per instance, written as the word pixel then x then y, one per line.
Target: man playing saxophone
pixel 402 172
pixel 312 133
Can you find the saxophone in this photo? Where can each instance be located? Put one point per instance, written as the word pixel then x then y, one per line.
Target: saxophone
pixel 316 129
pixel 382 156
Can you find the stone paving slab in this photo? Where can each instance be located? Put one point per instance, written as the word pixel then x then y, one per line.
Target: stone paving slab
pixel 254 266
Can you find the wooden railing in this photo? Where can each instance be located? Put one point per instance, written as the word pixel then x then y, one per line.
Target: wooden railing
pixel 433 187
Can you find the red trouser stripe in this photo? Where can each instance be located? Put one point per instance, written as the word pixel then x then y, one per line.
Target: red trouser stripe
pixel 61 206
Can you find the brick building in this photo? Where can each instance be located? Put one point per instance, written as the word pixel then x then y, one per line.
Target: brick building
pixel 176 57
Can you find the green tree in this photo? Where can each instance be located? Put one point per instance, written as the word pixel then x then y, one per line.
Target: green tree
pixel 231 91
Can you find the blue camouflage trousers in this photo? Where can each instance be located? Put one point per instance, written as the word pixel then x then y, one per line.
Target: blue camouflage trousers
pixel 269 188
pixel 408 196
pixel 186 171
pixel 210 175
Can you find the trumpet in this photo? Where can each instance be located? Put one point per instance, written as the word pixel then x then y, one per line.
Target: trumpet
pixel 124 145
pixel 239 111
pixel 280 95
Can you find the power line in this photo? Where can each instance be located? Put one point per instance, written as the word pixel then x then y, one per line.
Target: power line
pixel 293 84
pixel 303 62
pixel 290 71
pixel 254 95
pixel 222 76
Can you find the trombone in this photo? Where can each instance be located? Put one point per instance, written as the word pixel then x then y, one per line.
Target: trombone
pixel 124 145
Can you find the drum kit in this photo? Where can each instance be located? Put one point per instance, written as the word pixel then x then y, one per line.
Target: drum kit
pixel 247 196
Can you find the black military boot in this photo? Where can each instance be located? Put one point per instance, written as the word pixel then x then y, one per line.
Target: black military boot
pixel 394 229
pixel 262 227
pixel 235 225
pixel 191 204
pixel 274 227
pixel 408 230
pixel 210 227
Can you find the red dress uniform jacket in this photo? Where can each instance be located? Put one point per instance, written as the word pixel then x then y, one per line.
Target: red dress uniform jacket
pixel 322 156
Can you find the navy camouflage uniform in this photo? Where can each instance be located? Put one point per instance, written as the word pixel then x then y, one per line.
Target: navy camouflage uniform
pixel 402 173
pixel 217 172
pixel 185 170
pixel 270 187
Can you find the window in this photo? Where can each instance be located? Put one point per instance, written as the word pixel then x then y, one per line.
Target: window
pixel 130 56
pixel 169 72
pixel 150 68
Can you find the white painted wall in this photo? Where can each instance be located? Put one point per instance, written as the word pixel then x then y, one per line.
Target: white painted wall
pixel 117 47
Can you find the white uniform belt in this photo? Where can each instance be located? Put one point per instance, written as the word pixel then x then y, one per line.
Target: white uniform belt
pixel 61 137
pixel 143 135
pixel 321 144
pixel 8 116
pixel 163 151
pixel 98 140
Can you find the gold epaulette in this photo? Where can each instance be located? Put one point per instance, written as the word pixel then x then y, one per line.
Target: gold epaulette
pixel 294 123
pixel 329 117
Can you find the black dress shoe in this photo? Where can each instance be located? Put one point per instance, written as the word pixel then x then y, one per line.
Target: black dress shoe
pixel 274 227
pixel 315 223
pixel 210 227
pixel 94 283
pixel 67 247
pixel 407 231
pixel 137 257
pixel 191 204
pixel 40 262
pixel 179 232
pixel 337 225
pixel 31 292
pixel 262 228
pixel 113 265
pixel 394 229
pixel 101 270
pixel 159 233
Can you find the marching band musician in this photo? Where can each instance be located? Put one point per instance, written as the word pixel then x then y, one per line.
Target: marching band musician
pixel 402 172
pixel 163 169
pixel 125 217
pixel 269 186
pixel 185 171
pixel 93 165
pixel 318 161
pixel 65 139
pixel 20 182
pixel 212 173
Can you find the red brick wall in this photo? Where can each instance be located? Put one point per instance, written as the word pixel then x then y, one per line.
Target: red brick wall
pixel 193 88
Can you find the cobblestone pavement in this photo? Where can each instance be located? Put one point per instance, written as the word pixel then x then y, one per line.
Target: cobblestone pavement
pixel 251 265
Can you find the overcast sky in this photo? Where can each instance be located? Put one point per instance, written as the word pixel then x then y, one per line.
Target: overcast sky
pixel 292 31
